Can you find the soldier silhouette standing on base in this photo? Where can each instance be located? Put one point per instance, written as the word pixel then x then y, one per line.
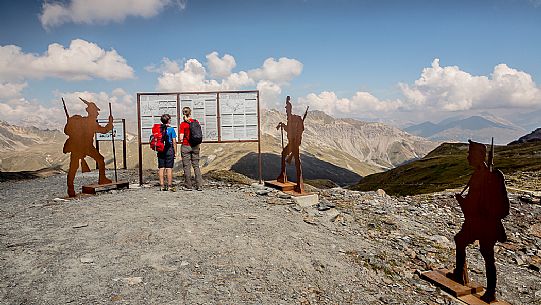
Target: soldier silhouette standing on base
pixel 80 143
pixel 485 205
pixel 294 129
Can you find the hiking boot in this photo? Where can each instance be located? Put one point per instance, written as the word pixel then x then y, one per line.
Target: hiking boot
pixel 172 189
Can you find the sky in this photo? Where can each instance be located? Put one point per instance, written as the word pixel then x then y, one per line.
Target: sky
pixel 396 61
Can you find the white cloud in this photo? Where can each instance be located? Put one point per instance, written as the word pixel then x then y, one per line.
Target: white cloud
pixel 11 90
pixel 281 71
pixel 361 104
pixel 122 103
pixel 451 89
pixel 20 111
pixel 81 60
pixel 167 65
pixel 30 113
pixel 101 11
pixel 269 79
pixel 220 67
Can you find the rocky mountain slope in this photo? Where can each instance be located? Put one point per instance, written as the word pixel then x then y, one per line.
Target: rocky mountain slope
pixel 358 147
pixel 534 136
pixel 447 167
pixel 245 244
pixel 459 129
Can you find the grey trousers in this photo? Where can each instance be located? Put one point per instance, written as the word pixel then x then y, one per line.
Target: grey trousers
pixel 190 155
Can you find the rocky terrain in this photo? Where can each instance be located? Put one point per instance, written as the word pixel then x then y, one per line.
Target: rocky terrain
pixel 534 136
pixel 243 243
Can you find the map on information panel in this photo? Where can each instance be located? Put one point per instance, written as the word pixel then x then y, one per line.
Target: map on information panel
pixel 151 109
pixel 203 107
pixel 237 114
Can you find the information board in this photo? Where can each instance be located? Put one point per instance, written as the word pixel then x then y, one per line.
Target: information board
pixel 151 108
pixel 118 130
pixel 238 116
pixel 204 108
pixel 226 116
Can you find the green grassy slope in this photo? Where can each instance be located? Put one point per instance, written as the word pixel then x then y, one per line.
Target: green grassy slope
pixel 447 167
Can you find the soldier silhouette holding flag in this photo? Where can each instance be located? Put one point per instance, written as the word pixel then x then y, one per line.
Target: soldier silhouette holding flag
pixel 80 142
pixel 485 205
pixel 294 129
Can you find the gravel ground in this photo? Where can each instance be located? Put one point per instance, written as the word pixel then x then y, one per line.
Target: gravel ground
pixel 238 244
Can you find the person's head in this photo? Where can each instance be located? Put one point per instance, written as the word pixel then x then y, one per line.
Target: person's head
pixel 289 107
pixel 476 153
pixel 166 118
pixel 91 108
pixel 186 112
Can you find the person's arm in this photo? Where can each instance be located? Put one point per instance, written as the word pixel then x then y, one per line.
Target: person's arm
pixel 106 128
pixel 175 146
pixel 181 133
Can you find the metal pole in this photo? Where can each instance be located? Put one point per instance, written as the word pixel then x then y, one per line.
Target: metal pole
pixel 259 140
pixel 97 148
pixel 139 139
pixel 113 141
pixel 124 158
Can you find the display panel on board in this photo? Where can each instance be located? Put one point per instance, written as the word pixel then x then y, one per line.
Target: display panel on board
pixel 238 116
pixel 118 129
pixel 151 109
pixel 204 109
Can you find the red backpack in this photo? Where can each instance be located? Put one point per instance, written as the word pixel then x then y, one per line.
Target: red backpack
pixel 157 138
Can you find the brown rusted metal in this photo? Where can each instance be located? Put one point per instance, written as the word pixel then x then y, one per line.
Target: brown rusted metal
pixel 80 131
pixel 294 129
pixel 484 206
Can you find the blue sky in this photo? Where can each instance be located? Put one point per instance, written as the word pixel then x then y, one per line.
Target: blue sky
pixel 362 59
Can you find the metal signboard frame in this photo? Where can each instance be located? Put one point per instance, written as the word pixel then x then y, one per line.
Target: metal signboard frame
pixel 108 139
pixel 235 119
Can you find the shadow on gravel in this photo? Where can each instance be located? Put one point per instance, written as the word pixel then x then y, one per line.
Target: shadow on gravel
pixel 25 175
pixel 312 169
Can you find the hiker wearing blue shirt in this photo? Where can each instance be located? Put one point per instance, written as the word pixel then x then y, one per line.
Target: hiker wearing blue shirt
pixel 166 159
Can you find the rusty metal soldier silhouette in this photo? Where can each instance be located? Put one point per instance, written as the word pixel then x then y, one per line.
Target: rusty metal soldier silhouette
pixel 80 142
pixel 485 205
pixel 294 129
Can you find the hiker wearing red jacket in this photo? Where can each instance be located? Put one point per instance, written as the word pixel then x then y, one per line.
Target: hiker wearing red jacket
pixel 189 153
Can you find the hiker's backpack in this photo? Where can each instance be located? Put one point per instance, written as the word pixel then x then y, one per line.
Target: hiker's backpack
pixel 196 134
pixel 158 137
pixel 497 203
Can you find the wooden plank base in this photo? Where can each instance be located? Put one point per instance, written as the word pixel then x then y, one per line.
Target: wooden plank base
pixel 95 188
pixel 446 284
pixel 475 299
pixel 288 186
pixel 469 294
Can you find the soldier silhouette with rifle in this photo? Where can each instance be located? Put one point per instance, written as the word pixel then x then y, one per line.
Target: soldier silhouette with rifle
pixel 485 205
pixel 80 142
pixel 294 129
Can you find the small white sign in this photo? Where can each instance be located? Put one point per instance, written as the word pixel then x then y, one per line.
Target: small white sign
pixel 118 130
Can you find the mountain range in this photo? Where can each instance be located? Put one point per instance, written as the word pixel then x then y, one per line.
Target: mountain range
pixel 479 128
pixel 353 146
